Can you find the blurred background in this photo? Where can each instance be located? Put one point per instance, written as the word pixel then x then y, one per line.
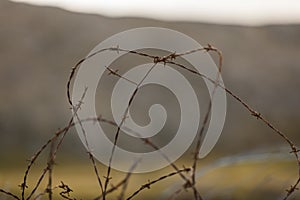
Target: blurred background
pixel 40 41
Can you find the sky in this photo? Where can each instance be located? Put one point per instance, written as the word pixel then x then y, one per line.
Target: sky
pixel 241 12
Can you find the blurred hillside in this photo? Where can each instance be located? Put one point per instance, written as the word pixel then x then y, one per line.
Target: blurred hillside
pixel 39 45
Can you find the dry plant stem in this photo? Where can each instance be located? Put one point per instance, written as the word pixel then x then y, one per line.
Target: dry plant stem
pixel 147 185
pixel 119 128
pixel 169 60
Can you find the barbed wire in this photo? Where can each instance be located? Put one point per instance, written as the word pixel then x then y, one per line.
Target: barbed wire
pixel 55 142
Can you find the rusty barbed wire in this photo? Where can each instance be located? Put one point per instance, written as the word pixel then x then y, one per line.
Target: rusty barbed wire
pixel 148 185
pixel 189 180
pixel 169 59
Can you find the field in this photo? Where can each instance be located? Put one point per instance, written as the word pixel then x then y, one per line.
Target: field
pixel 239 179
